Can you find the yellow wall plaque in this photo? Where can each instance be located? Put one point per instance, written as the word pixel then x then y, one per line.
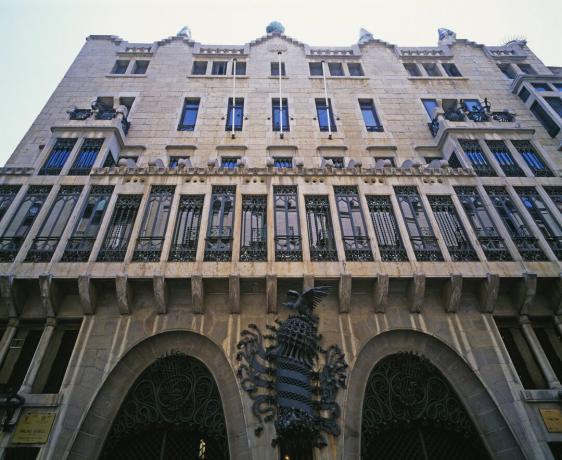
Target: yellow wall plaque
pixel 34 428
pixel 552 419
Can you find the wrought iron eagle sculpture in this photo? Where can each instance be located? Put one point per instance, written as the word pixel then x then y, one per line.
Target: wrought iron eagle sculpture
pixel 293 381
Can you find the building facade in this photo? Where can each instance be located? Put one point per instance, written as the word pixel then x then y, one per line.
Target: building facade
pixel 170 194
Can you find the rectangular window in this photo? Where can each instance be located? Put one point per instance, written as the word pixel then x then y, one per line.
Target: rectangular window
pixel 275 69
pixel 7 195
pixel 490 240
pixel 336 69
pixel 543 218
pixel 451 70
pixel 370 116
pixel 48 236
pixel 81 243
pixel 477 158
pixel 316 69
pixel 235 114
pixel 199 68
pixel 356 242
pixel 86 157
pixel 524 240
pixel 337 162
pixel 253 246
pixel 431 69
pixel 57 158
pixel 421 234
pixel 229 162
pixel 324 113
pixel 386 229
pixel 524 94
pixel 280 114
pixel 120 67
pixel 320 230
pixel 555 194
pixel 505 159
pixel 114 247
pixel 288 244
pixel 556 104
pixel 355 69
pixel 283 162
pixel 189 114
pixel 155 222
pixel 186 232
pixel 507 70
pixel 451 227
pixel 412 69
pixel 541 87
pixel 220 225
pixel 140 67
pixel 18 228
pixel 545 119
pixel 430 105
pixel 240 68
pixel 219 68
pixel 532 158
pixel 527 69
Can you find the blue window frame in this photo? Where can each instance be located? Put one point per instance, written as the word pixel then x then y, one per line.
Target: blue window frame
pixel 236 110
pixel 430 105
pixel 229 162
pixel 370 116
pixel 477 158
pixel 189 115
pixel 86 157
pixel 558 86
pixel 472 105
pixel 57 158
pixel 505 159
pixel 532 158
pixel 282 162
pixel 280 114
pixel 323 112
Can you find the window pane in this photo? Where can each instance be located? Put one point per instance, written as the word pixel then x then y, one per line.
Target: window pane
pixel 315 69
pixel 412 69
pixel 430 106
pixel 86 157
pixel 354 231
pixel 287 228
pixel 58 156
pixel 219 68
pixel 336 69
pixel 240 68
pixel 120 67
pixel 199 68
pixel 140 67
pixel 320 230
pixel 355 69
pixel 189 116
pixel 253 245
pixel 219 231
pixel 280 115
pixel 431 69
pixel 236 110
pixel 556 104
pixel 369 115
pixel 324 113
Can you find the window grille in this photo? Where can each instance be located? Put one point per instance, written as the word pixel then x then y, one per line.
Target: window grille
pixel 320 230
pixel 7 196
pixel 186 233
pixel 253 246
pixel 477 158
pixel 505 159
pixel 288 244
pixel 86 157
pixel 532 158
pixel 221 217
pixel 356 242
pixel 57 158
pixel 386 229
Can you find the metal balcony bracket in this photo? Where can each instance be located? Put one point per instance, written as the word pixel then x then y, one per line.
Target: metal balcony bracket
pixel 345 293
pixel 488 293
pixel 50 295
pixel 197 294
pixel 234 292
pixel 416 293
pixel 525 292
pixel 452 292
pixel 380 293
pixel 160 294
pixel 87 293
pixel 11 294
pixel 271 292
pixel 124 294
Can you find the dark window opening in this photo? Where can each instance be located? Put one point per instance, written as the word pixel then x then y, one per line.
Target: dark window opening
pixel 280 114
pixel 356 241
pixel 431 69
pixel 235 114
pixel 221 217
pixel 7 195
pixel 336 69
pixel 505 159
pixel 120 67
pixel 283 162
pixel 412 69
pixel 19 356
pixel 556 104
pixel 451 70
pixel 532 158
pixel 507 70
pixel 316 69
pixel 240 67
pixel 219 68
pixel 527 69
pixel 320 230
pixel 370 116
pixel 545 119
pixel 387 232
pixel 355 69
pixel 524 94
pixel 140 67
pixel 288 244
pixel 324 113
pixel 541 87
pixel 199 68
pixel 186 233
pixel 229 162
pixel 477 158
pixel 253 246
pixel 86 157
pixel 189 115
pixel 275 69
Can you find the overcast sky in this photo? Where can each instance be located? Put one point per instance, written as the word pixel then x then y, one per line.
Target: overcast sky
pixel 40 38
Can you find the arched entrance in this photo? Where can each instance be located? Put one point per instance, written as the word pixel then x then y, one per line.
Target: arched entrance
pixel 411 412
pixel 172 411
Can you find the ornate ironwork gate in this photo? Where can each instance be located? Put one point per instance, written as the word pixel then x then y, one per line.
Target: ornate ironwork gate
pixel 173 411
pixel 410 412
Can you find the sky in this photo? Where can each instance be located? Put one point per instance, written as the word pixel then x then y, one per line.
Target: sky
pixel 41 37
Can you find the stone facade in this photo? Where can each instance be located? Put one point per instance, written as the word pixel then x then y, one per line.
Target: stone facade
pixel 132 312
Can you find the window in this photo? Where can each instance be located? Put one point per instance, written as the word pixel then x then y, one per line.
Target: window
pixel 155 221
pixel 454 235
pixel 235 114
pixel 114 247
pixel 275 69
pixel 337 162
pixel 430 105
pixel 451 70
pixel 386 229
pixel 7 195
pixel 431 69
pixel 186 232
pixel 524 240
pixel 507 70
pixel 199 68
pixel 324 113
pixel 287 229
pixel 219 68
pixel 189 114
pixel 320 230
pixel 421 234
pixel 354 231
pixel 556 104
pixel 109 161
pixel 48 236
pixel 219 231
pixel 120 67
pixel 316 69
pixel 527 69
pixel 544 118
pixel 541 87
pixel 543 218
pixel 240 68
pixel 229 162
pixel 524 94
pixel 253 246
pixel 283 162
pixel 174 162
pixel 412 69
pixel 86 157
pixel 490 240
pixel 472 105
pixel 505 159
pixel 532 158
pixel 355 69
pixel 370 117
pixel 127 102
pixel 280 115
pixel 336 69
pixel 477 158
pixel 20 224
pixel 555 194
pixel 140 67
pixel 57 158
pixel 81 243
pixel 558 86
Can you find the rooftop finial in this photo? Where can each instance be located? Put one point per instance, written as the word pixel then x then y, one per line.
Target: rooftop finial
pixel 275 27
pixel 446 34
pixel 364 36
pixel 184 32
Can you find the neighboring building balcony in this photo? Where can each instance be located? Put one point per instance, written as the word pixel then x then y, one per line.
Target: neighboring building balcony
pixel 100 117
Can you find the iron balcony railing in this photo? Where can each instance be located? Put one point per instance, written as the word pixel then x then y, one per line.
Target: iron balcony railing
pixel 357 248
pixel 494 247
pixel 78 249
pixel 9 247
pixel 42 249
pixel 148 249
pixel 219 244
pixel 528 247
pixel 288 248
pixel 426 249
pixel 256 249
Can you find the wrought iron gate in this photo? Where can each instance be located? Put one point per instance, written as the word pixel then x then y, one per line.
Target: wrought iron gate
pixel 173 411
pixel 410 412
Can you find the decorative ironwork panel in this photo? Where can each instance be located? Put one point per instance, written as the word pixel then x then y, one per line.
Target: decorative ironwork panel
pixel 505 159
pixel 543 218
pixel 455 237
pixel 532 158
pixel 555 194
pixel 154 225
pixel 7 196
pixel 356 242
pixel 253 246
pixel 288 243
pixel 117 237
pixel 20 224
pixel 477 158
pixel 173 410
pixel 186 233
pixel 411 411
pixel 526 243
pixel 386 229
pixel 320 230
pixel 218 246
pixel 421 234
pixel 57 158
pixel 86 157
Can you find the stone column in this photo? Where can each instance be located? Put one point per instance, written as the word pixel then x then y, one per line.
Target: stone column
pixel 38 356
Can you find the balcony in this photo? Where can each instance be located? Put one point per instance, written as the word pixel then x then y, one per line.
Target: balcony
pixel 148 249
pixel 255 249
pixel 100 117
pixel 494 247
pixel 288 248
pixel 357 248
pixel 9 247
pixel 78 249
pixel 426 249
pixel 393 253
pixel 42 249
pixel 219 244
pixel 528 247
